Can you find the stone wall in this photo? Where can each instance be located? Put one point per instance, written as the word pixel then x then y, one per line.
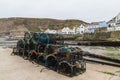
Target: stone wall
pixel 115 35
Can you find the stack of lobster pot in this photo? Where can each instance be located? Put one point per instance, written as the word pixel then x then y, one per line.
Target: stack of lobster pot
pixel 45 49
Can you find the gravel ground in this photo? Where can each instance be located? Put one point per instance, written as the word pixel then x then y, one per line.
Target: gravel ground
pixel 16 68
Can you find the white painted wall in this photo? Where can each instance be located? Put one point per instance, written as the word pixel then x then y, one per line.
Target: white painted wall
pixel 80 29
pixel 113 28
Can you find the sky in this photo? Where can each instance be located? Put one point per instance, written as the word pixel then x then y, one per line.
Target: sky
pixel 86 10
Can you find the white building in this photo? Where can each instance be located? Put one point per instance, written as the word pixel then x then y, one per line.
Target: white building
pixel 117 20
pixel 81 29
pixel 113 28
pixel 114 24
pixel 67 30
pixel 51 31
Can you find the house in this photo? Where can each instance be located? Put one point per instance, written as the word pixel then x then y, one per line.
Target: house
pixel 117 20
pixel 114 24
pixel 81 29
pixel 91 28
pixel 102 24
pixel 50 31
pixel 96 25
pixel 67 30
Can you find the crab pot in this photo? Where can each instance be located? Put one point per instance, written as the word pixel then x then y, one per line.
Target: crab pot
pixel 41 59
pixel 51 62
pixel 32 56
pixel 65 68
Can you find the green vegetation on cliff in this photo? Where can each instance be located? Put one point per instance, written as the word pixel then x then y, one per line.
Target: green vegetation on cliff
pixel 37 24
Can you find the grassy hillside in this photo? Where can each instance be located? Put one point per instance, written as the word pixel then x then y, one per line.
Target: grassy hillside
pixel 44 23
pixel 35 24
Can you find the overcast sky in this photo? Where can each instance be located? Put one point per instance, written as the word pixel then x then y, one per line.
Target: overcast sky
pixel 87 10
